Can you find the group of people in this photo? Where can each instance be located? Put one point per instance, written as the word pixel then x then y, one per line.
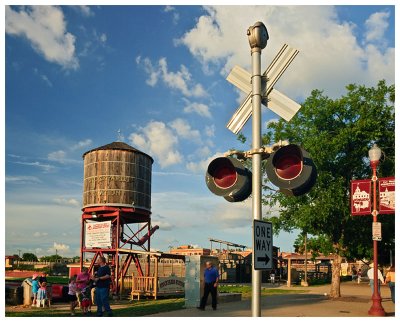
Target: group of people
pixel 389 278
pixel 83 290
pixel 86 290
pixel 39 291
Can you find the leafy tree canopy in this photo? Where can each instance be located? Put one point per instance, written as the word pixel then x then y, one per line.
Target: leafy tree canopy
pixel 29 257
pixel 338 134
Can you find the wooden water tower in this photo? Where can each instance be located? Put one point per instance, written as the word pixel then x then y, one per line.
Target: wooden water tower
pixel 117 195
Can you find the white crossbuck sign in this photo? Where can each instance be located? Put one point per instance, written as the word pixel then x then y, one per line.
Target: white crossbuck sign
pixel 273 99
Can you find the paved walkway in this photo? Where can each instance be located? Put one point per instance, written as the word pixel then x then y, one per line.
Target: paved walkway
pixel 355 302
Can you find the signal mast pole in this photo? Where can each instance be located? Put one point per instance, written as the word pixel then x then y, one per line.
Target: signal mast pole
pixel 258 37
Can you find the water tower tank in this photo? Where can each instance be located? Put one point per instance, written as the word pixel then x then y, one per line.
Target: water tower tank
pixel 117 175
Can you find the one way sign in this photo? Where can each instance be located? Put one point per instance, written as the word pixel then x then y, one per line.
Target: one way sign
pixel 262 243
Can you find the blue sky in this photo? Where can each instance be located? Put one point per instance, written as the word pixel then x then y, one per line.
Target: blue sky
pixel 76 75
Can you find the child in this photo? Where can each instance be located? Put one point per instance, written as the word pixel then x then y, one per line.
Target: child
pixel 35 288
pixel 85 300
pixel 72 294
pixel 42 295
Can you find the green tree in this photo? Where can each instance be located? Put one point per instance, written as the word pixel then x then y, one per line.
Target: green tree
pixel 338 134
pixel 51 258
pixel 29 257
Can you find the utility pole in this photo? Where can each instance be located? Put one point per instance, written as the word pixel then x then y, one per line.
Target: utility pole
pixel 19 256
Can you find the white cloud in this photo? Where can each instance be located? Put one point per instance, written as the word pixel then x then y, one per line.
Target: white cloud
pixel 81 144
pixel 45 167
pixel 58 156
pixel 330 55
pixel 43 77
pixel 152 73
pixel 85 10
pixel 175 14
pixel 201 166
pixel 22 179
pixel 376 26
pixel 199 108
pixel 210 130
pixel 164 225
pixel 59 247
pixel 159 141
pixel 35 209
pixel 103 38
pixel 39 234
pixel 184 130
pixel 67 202
pixel 180 80
pixel 239 215
pixel 45 28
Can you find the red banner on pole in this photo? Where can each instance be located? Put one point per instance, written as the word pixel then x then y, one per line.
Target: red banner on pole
pixel 361 197
pixel 386 195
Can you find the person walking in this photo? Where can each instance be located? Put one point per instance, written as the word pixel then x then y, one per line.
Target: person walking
pixel 103 281
pixel 211 277
pixel 370 275
pixel 390 279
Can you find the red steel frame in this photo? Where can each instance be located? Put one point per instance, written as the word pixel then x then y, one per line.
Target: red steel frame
pixel 119 217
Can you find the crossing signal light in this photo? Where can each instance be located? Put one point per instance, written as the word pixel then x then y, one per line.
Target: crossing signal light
pixel 292 170
pixel 227 177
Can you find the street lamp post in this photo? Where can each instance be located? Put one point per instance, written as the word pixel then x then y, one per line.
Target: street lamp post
pixel 376 308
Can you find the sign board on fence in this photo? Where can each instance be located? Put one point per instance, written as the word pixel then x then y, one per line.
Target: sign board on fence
pixel 360 197
pixel 171 285
pixel 376 231
pixel 262 253
pixel 386 195
pixel 98 234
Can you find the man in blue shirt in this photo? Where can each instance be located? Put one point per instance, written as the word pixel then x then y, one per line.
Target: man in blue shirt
pixel 103 281
pixel 210 286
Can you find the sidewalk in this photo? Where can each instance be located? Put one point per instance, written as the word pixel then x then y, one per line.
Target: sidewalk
pixel 355 302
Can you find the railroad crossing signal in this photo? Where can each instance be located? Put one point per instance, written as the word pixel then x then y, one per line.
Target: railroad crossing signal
pixel 272 98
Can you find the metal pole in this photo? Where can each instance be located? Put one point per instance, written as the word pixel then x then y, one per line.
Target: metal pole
pixel 258 37
pixel 376 308
pixel 305 283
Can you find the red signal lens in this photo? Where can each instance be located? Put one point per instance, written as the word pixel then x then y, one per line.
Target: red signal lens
pixel 288 164
pixel 224 174
pixel 225 177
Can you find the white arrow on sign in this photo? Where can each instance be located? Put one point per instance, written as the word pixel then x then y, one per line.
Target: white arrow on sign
pixel 278 103
pixel 262 252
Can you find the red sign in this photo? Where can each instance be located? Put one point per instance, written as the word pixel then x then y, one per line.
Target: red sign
pixel 361 197
pixel 386 195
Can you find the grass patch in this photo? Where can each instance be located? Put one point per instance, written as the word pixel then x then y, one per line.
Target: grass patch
pixel 141 308
pixel 246 290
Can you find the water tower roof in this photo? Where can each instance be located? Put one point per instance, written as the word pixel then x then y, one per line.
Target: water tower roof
pixel 118 146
